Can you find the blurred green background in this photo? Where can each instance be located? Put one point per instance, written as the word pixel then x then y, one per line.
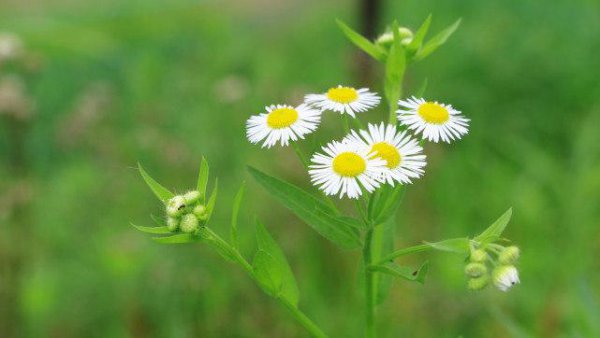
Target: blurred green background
pixel 100 85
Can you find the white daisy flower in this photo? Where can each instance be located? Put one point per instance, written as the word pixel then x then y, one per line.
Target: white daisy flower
pixel 402 153
pixel 282 123
pixel 505 277
pixel 345 100
pixel 344 168
pixel 433 120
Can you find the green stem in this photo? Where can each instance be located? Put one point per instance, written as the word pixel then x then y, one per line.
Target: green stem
pixel 405 251
pixel 300 317
pixel 369 287
pixel 300 154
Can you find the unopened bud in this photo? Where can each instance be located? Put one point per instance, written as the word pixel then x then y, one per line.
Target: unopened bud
pixel 478 283
pixel 172 224
pixel 191 197
pixel 175 206
pixel 475 270
pixel 189 223
pixel 386 39
pixel 478 256
pixel 509 255
pixel 505 277
pixel 200 212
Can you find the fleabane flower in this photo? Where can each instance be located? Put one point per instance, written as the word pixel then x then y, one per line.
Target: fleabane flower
pixel 345 168
pixel 282 123
pixel 344 100
pixel 403 155
pixel 505 277
pixel 435 121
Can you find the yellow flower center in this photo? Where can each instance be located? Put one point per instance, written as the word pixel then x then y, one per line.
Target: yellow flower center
pixel 349 164
pixel 387 152
pixel 433 113
pixel 282 117
pixel 342 94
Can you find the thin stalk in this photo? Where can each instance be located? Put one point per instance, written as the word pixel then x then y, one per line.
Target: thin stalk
pixel 300 154
pixel 370 331
pixel 403 252
pixel 300 317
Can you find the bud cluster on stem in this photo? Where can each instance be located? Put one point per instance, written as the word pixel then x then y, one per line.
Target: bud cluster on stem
pixel 185 213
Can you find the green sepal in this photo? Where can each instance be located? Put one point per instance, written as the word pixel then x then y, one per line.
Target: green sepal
pixel 272 269
pixel 177 239
pixel 404 272
pixel 375 51
pixel 160 230
pixel 494 231
pixel 311 210
pixel 437 41
pixel 161 192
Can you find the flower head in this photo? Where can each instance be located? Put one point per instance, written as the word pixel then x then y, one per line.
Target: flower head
pixel 282 123
pixel 344 100
pixel 505 277
pixel 433 120
pixel 403 155
pixel 346 168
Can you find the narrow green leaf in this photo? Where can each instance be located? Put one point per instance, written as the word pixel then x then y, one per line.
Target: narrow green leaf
pixel 361 42
pixel 272 268
pixel 210 205
pixel 419 36
pixel 395 66
pixel 203 179
pixel 311 210
pixel 404 272
pixel 389 203
pixel 237 201
pixel 494 231
pixel 177 239
pixel 152 230
pixel 161 192
pixel 159 221
pixel 458 245
pixel 422 89
pixel 437 41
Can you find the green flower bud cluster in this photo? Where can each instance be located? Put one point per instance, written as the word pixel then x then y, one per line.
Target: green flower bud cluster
pixel 386 39
pixel 501 259
pixel 185 213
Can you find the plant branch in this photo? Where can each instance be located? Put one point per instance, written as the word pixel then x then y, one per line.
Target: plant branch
pixel 403 252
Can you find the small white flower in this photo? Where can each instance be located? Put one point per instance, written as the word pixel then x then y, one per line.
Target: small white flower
pixel 282 123
pixel 505 277
pixel 403 155
pixel 433 120
pixel 344 100
pixel 344 168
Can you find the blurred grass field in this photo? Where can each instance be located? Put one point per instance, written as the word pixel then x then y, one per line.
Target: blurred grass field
pixel 165 82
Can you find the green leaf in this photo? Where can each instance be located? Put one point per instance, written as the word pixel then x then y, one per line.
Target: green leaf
pixel 437 41
pixel 395 66
pixel 203 179
pixel 161 192
pixel 152 230
pixel 311 210
pixel 177 239
pixel 388 203
pixel 361 42
pixel 157 220
pixel 458 245
pixel 422 89
pixel 404 272
pixel 237 201
pixel 419 36
pixel 383 245
pixel 210 205
pixel 272 269
pixel 494 231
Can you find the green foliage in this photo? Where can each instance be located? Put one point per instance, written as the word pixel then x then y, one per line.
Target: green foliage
pixel 203 178
pixel 361 42
pixel 212 200
pixel 403 272
pixel 161 192
pixel 437 41
pixel 311 210
pixel 494 231
pixel 161 230
pixel 457 245
pixel 177 239
pixel 235 209
pixel 419 36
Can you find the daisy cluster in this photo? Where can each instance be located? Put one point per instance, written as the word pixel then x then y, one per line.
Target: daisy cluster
pixel 365 159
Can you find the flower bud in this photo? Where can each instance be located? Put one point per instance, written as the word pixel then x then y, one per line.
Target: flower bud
pixel 386 39
pixel 475 270
pixel 175 206
pixel 505 276
pixel 478 256
pixel 189 223
pixel 509 255
pixel 200 212
pixel 191 197
pixel 478 283
pixel 172 224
